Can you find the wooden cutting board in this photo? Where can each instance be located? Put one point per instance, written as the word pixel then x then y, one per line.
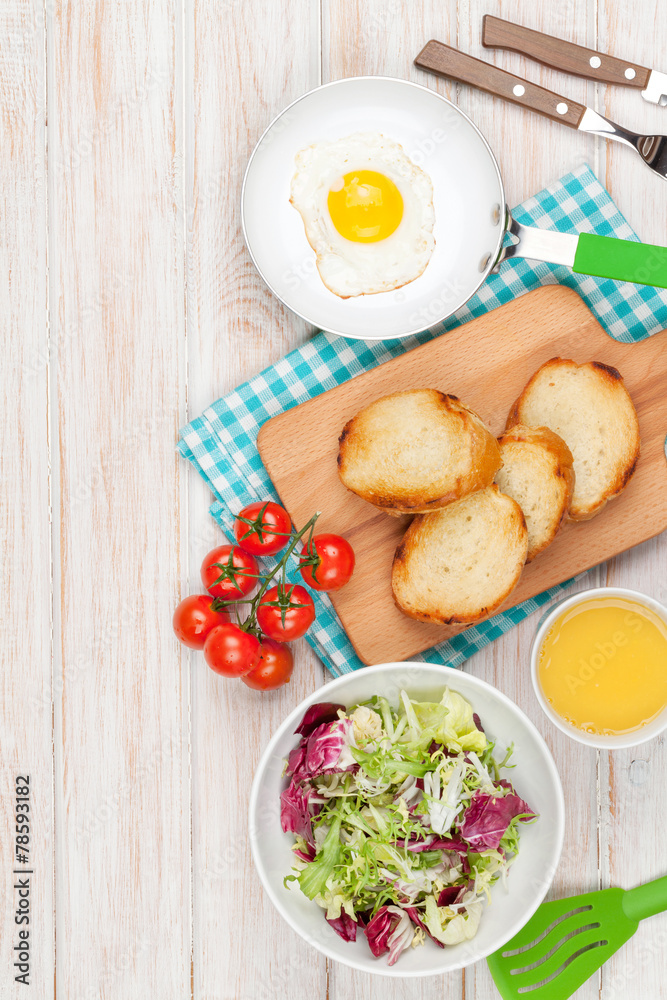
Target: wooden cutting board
pixel 486 363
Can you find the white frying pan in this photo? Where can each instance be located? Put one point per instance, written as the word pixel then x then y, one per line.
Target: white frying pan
pixel 471 216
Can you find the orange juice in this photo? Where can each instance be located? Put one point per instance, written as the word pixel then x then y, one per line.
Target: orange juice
pixel 603 665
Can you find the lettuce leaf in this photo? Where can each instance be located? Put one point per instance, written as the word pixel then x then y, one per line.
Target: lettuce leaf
pixel 459 731
pixel 313 877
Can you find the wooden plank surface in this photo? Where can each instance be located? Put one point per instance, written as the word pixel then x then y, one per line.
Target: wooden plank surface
pixel 121 737
pixel 25 641
pixel 155 310
pixel 508 345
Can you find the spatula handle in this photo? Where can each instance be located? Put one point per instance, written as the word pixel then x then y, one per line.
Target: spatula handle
pixel 445 60
pixel 562 55
pixel 646 900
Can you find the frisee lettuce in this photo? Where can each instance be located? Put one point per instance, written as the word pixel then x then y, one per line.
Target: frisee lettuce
pixel 401 819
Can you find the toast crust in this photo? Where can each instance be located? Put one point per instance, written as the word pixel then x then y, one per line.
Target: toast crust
pixel 587 405
pixel 416 451
pixel 458 565
pixel 537 457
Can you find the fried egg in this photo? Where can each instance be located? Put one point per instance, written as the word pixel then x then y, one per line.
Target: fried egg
pixel 367 210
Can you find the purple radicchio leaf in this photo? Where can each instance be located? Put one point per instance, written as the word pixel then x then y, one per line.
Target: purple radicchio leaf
pixel 328 749
pixel 433 843
pixel 478 722
pixel 296 812
pixel 389 930
pixel 454 844
pixel 401 935
pixel 297 760
pixel 344 925
pixel 326 711
pixel 487 818
pixel 378 930
pixel 452 894
pixel 310 856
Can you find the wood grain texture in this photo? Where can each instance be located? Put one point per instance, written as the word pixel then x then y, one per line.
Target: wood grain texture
pixel 531 151
pixel 153 755
pixel 121 717
pixel 508 345
pixel 25 641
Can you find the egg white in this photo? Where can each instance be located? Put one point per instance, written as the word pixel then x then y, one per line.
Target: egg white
pixel 346 267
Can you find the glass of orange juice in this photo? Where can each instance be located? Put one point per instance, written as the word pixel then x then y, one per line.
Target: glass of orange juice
pixel 599 667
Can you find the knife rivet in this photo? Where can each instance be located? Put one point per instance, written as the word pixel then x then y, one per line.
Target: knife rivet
pixel 630 73
pixel 519 90
pixel 595 62
pixel 561 108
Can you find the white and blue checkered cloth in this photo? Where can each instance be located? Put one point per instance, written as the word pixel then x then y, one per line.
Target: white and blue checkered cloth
pixel 222 442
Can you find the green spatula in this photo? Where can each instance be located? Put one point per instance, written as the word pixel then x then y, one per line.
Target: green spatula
pixel 567 940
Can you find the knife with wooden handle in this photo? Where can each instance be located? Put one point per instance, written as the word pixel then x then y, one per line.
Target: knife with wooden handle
pixel 443 59
pixel 576 59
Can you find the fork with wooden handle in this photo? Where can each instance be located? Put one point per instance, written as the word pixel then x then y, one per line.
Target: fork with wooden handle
pixel 450 62
pixel 567 940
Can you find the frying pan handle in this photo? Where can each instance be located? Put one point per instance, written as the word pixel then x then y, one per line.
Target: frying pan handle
pixel 446 61
pixel 646 900
pixel 562 55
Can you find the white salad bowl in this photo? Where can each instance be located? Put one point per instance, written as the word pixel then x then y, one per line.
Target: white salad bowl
pixel 534 777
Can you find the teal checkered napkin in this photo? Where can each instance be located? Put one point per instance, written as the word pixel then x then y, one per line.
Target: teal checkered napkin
pixel 222 442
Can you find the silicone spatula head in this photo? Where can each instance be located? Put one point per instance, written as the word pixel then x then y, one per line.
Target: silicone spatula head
pixel 567 940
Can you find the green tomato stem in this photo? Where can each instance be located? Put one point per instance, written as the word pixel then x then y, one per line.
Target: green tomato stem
pixel 250 623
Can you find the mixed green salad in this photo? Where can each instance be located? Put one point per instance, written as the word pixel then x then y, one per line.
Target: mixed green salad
pixel 401 819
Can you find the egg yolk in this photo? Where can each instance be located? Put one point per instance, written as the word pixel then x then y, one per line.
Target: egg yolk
pixel 365 206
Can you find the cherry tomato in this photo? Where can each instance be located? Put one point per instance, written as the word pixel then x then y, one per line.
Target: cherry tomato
pixel 230 651
pixel 274 668
pixel 268 531
pixel 194 618
pixel 335 566
pixel 298 619
pixel 229 572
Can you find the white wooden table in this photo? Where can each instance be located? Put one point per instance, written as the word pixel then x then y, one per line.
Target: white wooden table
pixel 128 304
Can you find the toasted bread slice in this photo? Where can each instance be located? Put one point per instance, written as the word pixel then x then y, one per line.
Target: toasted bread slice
pixel 459 564
pixel 537 472
pixel 416 451
pixel 590 408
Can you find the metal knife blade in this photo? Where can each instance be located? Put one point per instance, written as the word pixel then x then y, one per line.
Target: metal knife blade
pixel 656 88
